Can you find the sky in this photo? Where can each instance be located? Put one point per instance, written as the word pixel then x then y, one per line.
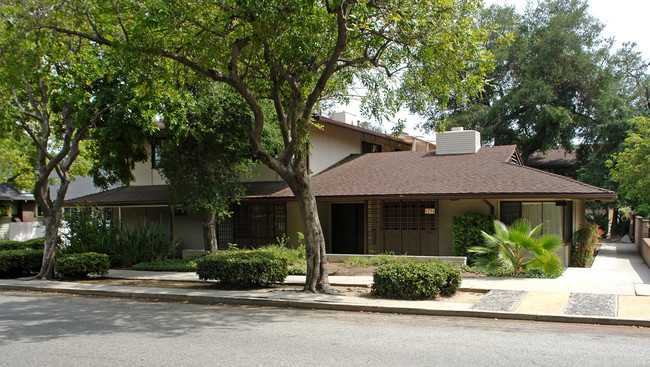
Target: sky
pixel 624 20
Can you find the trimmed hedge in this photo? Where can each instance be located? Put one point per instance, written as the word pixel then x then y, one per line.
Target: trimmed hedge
pixel 80 265
pixel 415 280
pixel 33 244
pixel 243 268
pixel 167 265
pixel 466 233
pixel 20 263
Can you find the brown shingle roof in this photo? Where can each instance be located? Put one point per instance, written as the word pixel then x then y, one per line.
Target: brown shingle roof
pixel 554 158
pixel 127 195
pixel 488 173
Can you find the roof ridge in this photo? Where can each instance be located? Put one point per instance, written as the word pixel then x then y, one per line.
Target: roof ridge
pixel 573 180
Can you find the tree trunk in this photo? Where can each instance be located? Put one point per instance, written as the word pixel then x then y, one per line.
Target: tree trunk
pixel 52 224
pixel 210 232
pixel 317 277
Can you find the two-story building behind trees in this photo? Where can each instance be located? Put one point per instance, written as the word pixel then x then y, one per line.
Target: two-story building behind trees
pixel 376 193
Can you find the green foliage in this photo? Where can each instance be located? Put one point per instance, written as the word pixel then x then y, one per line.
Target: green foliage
pixel 243 268
pixel 90 231
pixel 205 155
pixel 631 169
pixel 601 219
pixel 77 266
pixel 519 248
pixel 466 233
pixel 18 160
pixel 17 263
pixel 184 265
pixel 411 280
pixel 295 257
pixel 585 240
pixel 375 260
pixel 33 244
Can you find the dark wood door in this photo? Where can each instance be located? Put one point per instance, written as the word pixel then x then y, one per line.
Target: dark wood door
pixel 347 228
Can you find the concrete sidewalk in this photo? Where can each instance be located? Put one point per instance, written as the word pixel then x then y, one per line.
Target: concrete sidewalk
pixel 611 292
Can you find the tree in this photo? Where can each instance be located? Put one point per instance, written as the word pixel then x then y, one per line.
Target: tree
pixel 296 53
pixel 205 157
pixel 547 82
pixel 53 89
pixel 631 167
pixel 18 160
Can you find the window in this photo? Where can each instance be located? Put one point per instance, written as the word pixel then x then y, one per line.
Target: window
pixel 253 225
pixel 156 154
pixel 367 147
pixel 548 213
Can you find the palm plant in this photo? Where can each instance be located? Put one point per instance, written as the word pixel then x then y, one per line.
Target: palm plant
pixel 519 248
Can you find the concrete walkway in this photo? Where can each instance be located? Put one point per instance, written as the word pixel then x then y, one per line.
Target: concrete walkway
pixel 612 291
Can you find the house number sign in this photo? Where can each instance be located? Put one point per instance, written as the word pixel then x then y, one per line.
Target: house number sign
pixel 429 210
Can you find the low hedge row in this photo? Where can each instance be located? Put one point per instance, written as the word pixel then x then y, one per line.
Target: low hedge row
pixel 20 263
pixel 243 268
pixel 415 280
pixel 33 244
pixel 81 265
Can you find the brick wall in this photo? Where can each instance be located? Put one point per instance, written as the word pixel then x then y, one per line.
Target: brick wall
pixel 641 237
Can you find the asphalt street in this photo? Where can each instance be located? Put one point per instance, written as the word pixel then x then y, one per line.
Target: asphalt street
pixel 63 330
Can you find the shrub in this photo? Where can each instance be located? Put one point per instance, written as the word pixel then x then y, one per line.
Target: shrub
pixel 90 231
pixel 81 265
pixel 585 240
pixel 519 248
pixel 601 219
pixel 17 263
pixel 243 268
pixel 415 280
pixel 296 257
pixel 376 260
pixel 466 233
pixel 33 244
pixel 167 265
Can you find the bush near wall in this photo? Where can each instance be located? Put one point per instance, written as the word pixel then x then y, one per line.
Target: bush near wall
pixel 33 244
pixel 77 266
pixel 20 263
pixel 422 280
pixel 243 268
pixel 466 233
pixel 585 240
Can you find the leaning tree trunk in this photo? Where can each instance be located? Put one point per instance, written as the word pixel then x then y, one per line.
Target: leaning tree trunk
pixel 210 232
pixel 317 279
pixel 52 224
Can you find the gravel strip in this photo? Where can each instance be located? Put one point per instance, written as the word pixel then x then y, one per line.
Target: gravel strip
pixel 499 300
pixel 587 304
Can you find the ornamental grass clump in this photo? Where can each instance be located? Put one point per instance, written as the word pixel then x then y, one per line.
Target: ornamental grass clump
pixel 415 280
pixel 243 268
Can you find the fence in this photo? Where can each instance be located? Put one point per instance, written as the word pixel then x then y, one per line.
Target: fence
pixel 641 237
pixel 16 231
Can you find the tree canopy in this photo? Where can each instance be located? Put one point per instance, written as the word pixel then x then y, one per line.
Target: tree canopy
pixel 631 167
pixel 296 54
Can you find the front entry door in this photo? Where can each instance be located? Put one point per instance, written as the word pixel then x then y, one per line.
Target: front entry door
pixel 347 228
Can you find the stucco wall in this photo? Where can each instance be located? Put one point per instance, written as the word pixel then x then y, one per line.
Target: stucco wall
pixel 144 174
pixel 262 173
pixel 447 210
pixel 330 145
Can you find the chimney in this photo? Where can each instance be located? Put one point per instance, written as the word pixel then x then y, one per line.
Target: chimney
pixel 345 117
pixel 458 141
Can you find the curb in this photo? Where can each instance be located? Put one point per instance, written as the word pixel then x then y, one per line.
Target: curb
pixel 167 294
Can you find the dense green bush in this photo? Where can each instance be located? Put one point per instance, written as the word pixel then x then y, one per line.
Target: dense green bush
pixel 33 244
pixel 90 231
pixel 18 263
pixel 243 268
pixel 413 280
pixel 601 218
pixel 585 240
pixel 466 233
pixel 296 257
pixel 167 265
pixel 78 266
